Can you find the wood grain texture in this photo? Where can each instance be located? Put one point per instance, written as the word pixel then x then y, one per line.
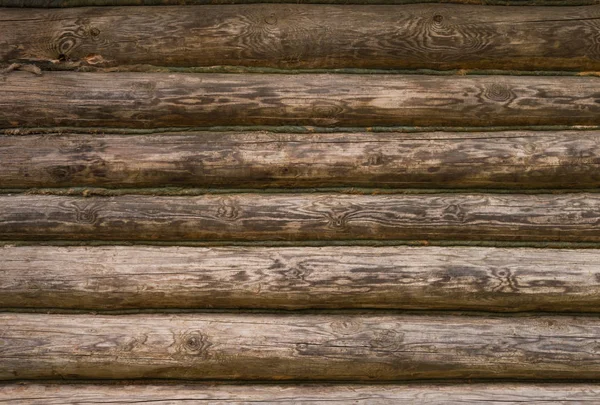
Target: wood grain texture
pixel 456 278
pixel 298 347
pixel 519 159
pixel 294 217
pixel 303 36
pixel 90 3
pixel 380 394
pixel 150 100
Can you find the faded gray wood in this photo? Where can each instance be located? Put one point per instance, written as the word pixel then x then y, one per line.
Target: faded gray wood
pixel 295 217
pixel 303 36
pixel 125 277
pixel 518 159
pixel 298 347
pixel 380 394
pixel 150 100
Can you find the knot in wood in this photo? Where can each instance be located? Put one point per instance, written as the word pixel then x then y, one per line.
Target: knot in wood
pixel 297 273
pixel 498 92
pixel 87 214
pixel 374 159
pixel 438 18
pixel 193 343
pixel 271 19
pixel 387 340
pixel 454 212
pixel 339 221
pixel 94 32
pixel 301 348
pixel 228 209
pixel 347 326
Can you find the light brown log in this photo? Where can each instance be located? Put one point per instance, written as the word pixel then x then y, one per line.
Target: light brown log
pixel 379 394
pixel 125 277
pixel 298 347
pixel 295 217
pixel 517 159
pixel 303 36
pixel 150 100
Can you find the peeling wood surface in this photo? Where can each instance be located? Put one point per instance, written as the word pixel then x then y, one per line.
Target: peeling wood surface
pixel 435 36
pixel 380 394
pixel 518 159
pixel 295 217
pixel 151 100
pixel 124 277
pixel 298 347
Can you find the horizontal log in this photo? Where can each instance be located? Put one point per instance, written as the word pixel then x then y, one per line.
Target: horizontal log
pixel 149 100
pixel 120 277
pixel 379 394
pixel 519 159
pixel 298 347
pixel 294 217
pixel 302 36
pixel 89 3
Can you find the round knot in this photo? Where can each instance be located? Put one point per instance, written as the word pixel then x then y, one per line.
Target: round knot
pixel 193 343
pixel 271 19
pixel 498 92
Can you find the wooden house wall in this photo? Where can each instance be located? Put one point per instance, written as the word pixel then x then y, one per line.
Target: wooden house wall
pixel 328 201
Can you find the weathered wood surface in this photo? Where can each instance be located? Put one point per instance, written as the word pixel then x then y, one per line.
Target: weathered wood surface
pixel 150 100
pixel 88 3
pixel 299 347
pixel 302 36
pixel 295 217
pixel 380 394
pixel 124 277
pixel 518 159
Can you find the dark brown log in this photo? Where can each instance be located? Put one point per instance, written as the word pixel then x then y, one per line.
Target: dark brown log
pixel 520 159
pixel 149 100
pixel 360 394
pixel 304 36
pixel 294 217
pixel 120 277
pixel 298 347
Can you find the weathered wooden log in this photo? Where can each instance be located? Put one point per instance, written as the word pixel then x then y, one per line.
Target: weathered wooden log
pixel 119 277
pixel 88 3
pixel 519 159
pixel 294 217
pixel 302 36
pixel 298 347
pixel 362 394
pixel 149 100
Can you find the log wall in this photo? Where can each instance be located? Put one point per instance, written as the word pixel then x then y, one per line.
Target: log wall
pixel 221 201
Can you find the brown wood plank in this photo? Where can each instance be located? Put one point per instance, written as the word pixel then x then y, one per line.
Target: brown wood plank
pixel 149 100
pixel 303 36
pixel 379 394
pixel 517 159
pixel 298 347
pixel 126 277
pixel 295 217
